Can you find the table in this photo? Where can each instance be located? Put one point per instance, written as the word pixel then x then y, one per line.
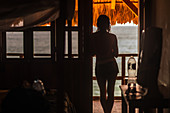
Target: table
pixel 130 102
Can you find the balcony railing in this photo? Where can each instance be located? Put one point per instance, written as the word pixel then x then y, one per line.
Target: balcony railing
pixel 123 77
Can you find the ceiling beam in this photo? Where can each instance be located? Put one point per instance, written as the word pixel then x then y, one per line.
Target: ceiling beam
pixel 131 6
pixel 105 2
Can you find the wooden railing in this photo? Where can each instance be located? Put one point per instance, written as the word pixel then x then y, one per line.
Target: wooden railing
pixel 123 76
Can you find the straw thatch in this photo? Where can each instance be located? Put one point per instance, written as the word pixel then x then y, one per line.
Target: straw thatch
pixel 121 13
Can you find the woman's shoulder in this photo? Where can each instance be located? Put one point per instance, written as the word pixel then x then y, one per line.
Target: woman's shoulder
pixel 105 34
pixel 95 35
pixel 111 35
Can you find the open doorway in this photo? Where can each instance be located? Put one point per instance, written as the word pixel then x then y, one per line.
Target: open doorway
pixel 124 24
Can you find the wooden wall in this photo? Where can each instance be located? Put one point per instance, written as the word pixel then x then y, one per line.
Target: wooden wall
pixel 15 72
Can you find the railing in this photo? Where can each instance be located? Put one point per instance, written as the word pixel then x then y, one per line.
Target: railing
pixel 123 76
pixel 123 56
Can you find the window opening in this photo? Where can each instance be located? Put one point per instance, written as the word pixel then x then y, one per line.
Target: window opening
pixel 14 45
pixel 43 36
pixel 124 23
pixel 66 43
pixel 45 25
pixel 72 36
pixel 74 42
pixel 19 23
pixel 75 17
pixel 42 44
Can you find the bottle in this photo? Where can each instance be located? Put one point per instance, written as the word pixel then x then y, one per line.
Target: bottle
pixel 132 70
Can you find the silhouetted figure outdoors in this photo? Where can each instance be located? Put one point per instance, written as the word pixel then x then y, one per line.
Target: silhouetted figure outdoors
pixel 25 100
pixel 104 47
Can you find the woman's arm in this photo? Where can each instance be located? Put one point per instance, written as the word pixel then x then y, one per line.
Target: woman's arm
pixel 115 47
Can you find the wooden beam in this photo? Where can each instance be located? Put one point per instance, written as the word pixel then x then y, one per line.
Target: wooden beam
pixel 117 2
pixel 131 6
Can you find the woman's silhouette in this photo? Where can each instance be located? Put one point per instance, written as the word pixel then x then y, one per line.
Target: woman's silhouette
pixel 104 47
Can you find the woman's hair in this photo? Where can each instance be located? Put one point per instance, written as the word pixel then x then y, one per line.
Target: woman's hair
pixel 103 23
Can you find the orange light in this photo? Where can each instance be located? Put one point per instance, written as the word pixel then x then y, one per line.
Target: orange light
pixel 47 24
pixel 116 10
pixel 76 5
pixel 113 3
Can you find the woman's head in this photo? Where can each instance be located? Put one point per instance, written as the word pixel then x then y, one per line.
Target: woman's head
pixel 103 23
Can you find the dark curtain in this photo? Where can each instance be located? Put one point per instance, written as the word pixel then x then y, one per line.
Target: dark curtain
pixel 21 14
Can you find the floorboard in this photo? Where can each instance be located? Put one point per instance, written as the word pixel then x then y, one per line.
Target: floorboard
pixel 117 107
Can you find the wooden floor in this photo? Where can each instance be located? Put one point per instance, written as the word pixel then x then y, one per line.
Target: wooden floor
pixel 117 107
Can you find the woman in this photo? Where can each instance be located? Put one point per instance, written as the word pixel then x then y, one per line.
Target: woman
pixel 104 47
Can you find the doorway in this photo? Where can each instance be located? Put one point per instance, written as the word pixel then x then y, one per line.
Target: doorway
pixel 124 24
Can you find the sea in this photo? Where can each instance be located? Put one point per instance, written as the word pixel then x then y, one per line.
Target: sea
pixel 127 36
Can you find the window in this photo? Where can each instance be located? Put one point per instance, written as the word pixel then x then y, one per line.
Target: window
pixel 38 41
pixel 41 44
pixel 14 45
pixel 72 36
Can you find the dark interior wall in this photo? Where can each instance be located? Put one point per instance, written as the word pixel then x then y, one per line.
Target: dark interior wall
pixel 72 76
pixel 162 20
pixel 156 14
pixel 15 72
pixel 78 84
pixel 78 72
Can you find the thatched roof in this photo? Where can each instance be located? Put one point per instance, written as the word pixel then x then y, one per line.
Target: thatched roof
pixel 117 10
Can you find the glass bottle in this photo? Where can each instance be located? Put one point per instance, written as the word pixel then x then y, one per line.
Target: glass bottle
pixel 132 70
